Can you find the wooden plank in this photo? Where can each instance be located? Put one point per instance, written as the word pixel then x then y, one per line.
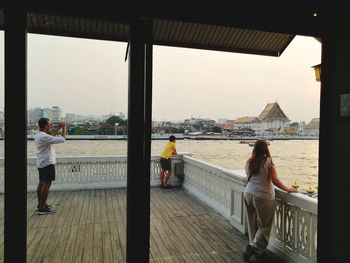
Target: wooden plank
pixel 52 244
pixel 163 248
pixel 61 245
pixel 34 245
pixel 32 202
pixel 106 243
pixel 79 244
pixel 61 213
pixel 111 211
pixel 97 207
pixel 97 256
pixel 116 243
pixel 88 244
pixel 119 204
pixel 78 208
pixel 90 215
pixel 41 247
pixel 72 209
pixel 85 196
pixel 103 207
pixel 154 250
pixel 30 237
pixel 70 245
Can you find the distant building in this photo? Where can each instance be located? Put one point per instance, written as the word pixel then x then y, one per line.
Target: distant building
pixel 72 117
pixel 56 114
pixel 34 114
pixel 222 121
pixel 228 125
pixel 47 113
pixel 272 117
pixel 253 123
pixel 312 128
pixel 301 126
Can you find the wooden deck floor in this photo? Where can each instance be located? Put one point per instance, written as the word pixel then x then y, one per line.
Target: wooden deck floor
pixel 89 226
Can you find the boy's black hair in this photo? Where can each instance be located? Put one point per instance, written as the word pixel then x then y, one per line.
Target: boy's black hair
pixel 172 138
pixel 42 122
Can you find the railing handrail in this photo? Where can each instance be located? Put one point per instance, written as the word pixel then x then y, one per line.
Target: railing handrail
pixel 301 200
pixel 89 158
pixel 215 169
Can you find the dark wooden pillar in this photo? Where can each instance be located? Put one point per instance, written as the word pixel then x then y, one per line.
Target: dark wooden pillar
pixel 334 149
pixel 15 232
pixel 139 141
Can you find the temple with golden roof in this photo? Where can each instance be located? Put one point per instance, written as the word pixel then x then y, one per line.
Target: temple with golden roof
pixel 272 118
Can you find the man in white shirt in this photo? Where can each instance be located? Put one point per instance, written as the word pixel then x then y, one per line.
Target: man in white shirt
pixel 46 159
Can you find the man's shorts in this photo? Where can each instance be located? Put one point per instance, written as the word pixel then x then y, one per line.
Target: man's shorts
pixel 47 173
pixel 165 164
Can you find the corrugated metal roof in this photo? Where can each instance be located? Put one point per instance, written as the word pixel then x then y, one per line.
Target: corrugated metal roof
pixel 211 37
pixel 169 33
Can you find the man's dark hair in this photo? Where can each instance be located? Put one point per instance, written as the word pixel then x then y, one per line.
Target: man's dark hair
pixel 172 138
pixel 43 122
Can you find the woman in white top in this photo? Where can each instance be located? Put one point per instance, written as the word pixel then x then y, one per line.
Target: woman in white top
pixel 259 198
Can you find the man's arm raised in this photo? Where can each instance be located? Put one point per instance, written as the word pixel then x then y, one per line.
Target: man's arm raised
pixel 64 129
pixel 55 131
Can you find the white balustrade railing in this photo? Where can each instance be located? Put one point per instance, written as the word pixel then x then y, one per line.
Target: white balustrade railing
pixel 221 188
pixel 95 172
pixel 294 233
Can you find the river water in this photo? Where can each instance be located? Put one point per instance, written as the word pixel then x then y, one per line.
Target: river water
pixel 295 160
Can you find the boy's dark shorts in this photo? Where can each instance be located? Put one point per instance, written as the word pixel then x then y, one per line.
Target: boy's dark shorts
pixel 47 173
pixel 165 164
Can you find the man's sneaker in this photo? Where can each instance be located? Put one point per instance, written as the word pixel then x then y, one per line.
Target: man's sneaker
pixel 248 252
pixel 47 206
pixel 168 186
pixel 45 211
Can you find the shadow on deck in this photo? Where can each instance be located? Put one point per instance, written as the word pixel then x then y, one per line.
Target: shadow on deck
pixel 89 226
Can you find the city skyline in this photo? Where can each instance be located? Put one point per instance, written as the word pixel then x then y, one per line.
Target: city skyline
pixel 90 77
pixel 123 115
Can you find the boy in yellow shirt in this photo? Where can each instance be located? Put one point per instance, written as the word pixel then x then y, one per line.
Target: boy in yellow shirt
pixel 165 162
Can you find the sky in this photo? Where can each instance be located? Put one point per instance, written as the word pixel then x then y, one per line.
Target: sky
pixel 91 77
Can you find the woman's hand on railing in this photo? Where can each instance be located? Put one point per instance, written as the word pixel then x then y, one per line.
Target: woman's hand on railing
pixel 245 181
pixel 292 190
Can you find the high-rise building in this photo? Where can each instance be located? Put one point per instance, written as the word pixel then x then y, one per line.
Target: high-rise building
pixel 34 114
pixel 56 113
pixel 47 113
